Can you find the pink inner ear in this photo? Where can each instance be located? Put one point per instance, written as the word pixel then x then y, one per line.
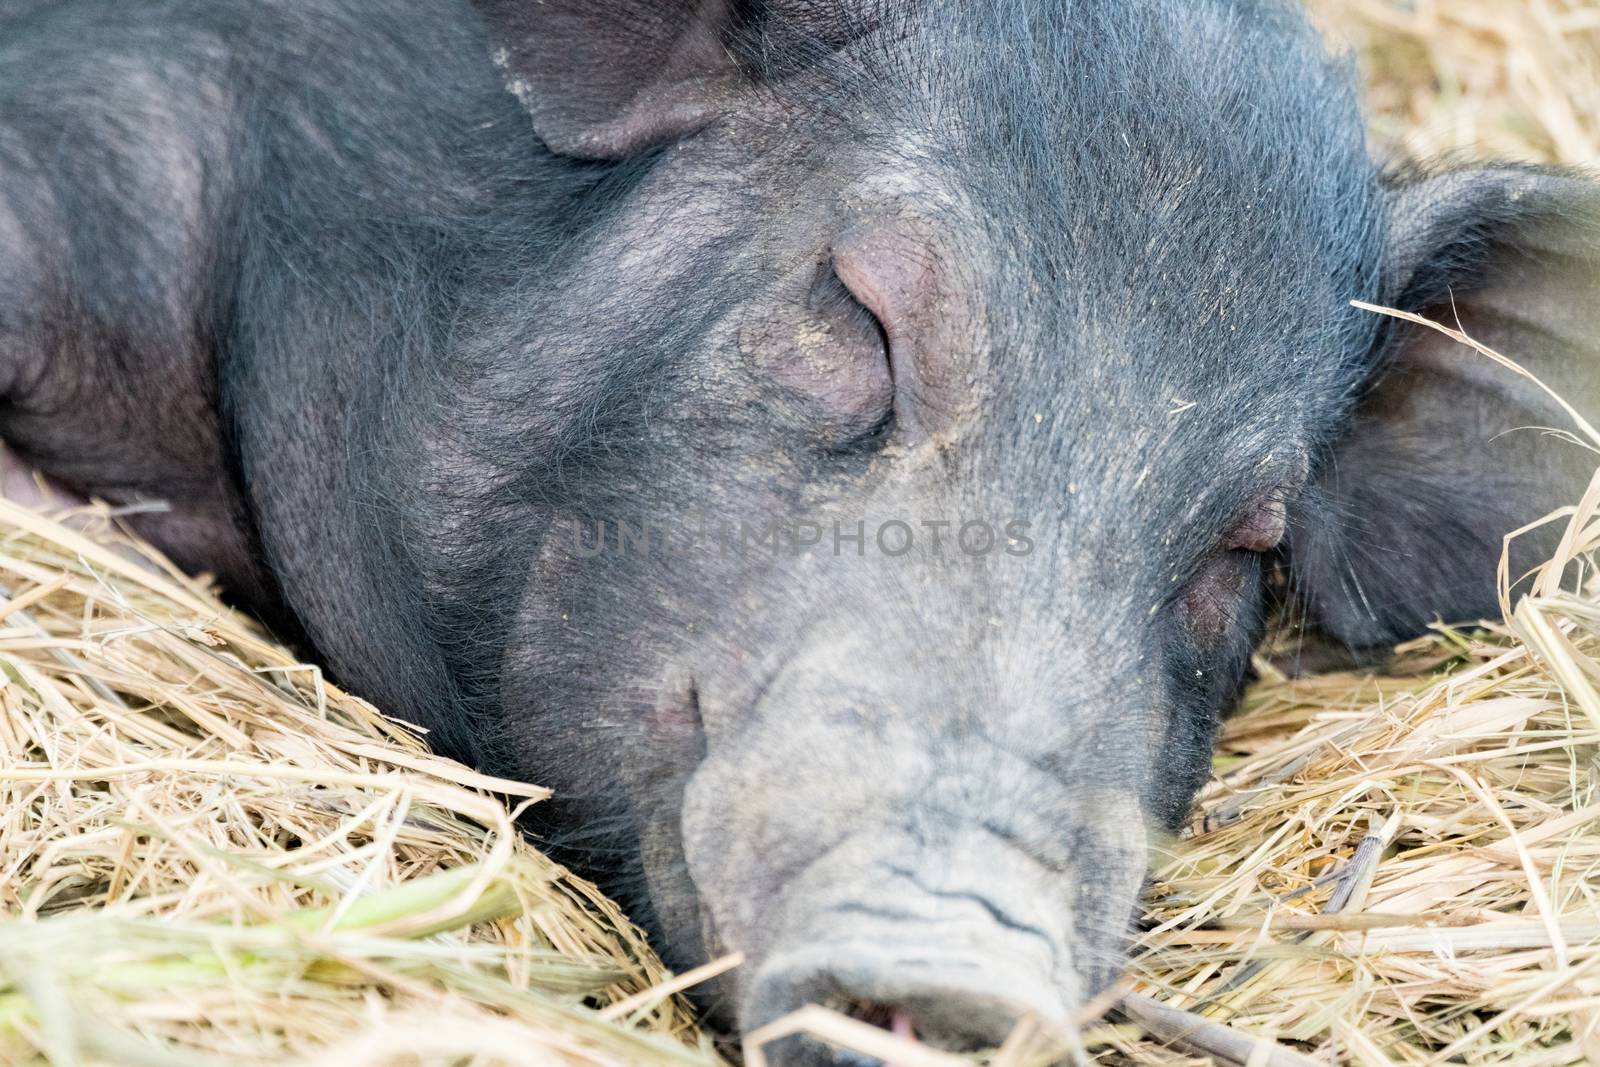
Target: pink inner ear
pixel 613 79
pixel 1263 528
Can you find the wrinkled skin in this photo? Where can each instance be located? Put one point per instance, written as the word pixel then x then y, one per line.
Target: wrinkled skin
pixel 1081 272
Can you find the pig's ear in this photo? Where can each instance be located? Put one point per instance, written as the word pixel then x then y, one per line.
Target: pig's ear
pixel 1405 524
pixel 605 79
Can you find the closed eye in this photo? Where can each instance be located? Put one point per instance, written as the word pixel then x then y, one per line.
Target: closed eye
pixel 864 392
pixel 831 297
pixel 1214 597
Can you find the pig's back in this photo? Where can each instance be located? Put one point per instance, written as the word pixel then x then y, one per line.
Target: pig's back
pixel 203 197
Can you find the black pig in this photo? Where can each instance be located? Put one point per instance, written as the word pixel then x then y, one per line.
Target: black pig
pixel 841 445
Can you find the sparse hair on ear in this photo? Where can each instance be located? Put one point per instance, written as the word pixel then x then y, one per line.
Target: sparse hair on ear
pixel 608 79
pixel 605 79
pixel 1448 452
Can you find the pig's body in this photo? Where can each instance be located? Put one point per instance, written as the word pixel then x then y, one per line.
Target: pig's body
pixel 217 211
pixel 308 272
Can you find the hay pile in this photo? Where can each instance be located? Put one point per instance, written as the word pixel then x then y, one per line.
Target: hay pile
pixel 1517 79
pixel 1406 869
pixel 208 855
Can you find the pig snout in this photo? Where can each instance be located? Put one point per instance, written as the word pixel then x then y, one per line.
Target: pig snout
pixel 954 945
pixel 894 860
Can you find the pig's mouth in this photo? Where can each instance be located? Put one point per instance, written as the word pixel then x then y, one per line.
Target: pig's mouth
pixel 895 1020
pixel 926 993
pixel 880 1015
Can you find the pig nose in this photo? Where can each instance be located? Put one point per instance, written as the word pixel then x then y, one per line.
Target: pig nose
pixel 956 1005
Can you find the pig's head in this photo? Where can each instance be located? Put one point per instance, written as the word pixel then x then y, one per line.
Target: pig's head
pixel 891 442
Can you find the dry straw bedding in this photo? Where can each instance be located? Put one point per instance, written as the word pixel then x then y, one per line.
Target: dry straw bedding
pixel 208 854
pixel 204 846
